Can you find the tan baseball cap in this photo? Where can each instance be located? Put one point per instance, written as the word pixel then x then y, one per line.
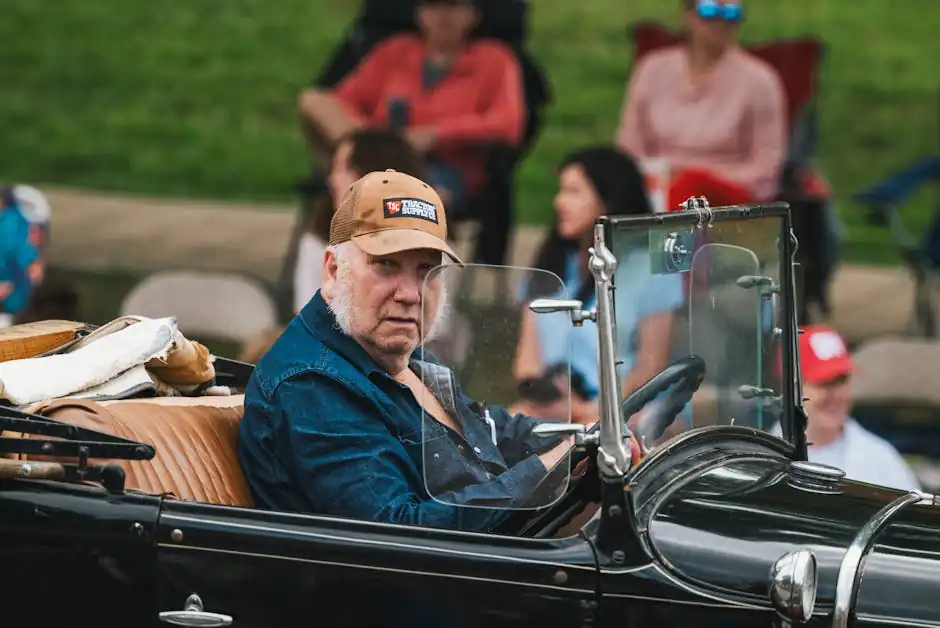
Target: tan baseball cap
pixel 389 212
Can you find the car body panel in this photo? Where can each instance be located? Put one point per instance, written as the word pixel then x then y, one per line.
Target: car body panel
pixel 71 549
pixel 282 569
pixel 900 582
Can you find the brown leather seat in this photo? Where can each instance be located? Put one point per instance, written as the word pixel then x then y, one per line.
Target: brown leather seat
pixel 195 438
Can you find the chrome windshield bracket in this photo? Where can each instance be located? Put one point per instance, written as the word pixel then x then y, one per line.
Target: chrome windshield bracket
pixel 614 457
pixel 578 315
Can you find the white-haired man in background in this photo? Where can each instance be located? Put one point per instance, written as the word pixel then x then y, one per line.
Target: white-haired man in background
pixel 341 417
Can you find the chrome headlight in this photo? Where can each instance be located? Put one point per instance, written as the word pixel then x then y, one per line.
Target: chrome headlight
pixel 793 585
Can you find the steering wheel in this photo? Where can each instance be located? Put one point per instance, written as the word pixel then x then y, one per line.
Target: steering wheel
pixel 684 376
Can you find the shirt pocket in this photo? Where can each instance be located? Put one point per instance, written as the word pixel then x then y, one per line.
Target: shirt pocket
pixel 445 464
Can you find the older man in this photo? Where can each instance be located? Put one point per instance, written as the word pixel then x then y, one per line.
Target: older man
pixel 339 418
pixel 835 437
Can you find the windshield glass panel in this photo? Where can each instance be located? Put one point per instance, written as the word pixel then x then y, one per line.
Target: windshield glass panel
pixel 481 450
pixel 711 291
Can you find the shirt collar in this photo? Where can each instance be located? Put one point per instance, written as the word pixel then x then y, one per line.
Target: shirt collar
pixel 463 65
pixel 725 64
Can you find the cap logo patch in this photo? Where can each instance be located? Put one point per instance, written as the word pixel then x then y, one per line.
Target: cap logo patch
pixel 410 208
pixel 827 345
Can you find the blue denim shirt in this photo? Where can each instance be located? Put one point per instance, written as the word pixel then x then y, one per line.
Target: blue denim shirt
pixel 327 431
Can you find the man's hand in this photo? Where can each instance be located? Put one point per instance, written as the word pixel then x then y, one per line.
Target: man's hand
pixel 557 453
pixel 421 138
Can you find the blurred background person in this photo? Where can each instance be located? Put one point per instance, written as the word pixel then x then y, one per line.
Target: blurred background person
pixel 593 181
pixel 359 152
pixel 834 437
pixel 714 113
pixel 25 216
pixel 451 95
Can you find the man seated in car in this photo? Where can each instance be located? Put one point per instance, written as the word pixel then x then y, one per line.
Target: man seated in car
pixel 339 411
pixel 450 94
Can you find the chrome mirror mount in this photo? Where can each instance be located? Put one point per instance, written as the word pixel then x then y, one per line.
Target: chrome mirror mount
pixel 549 306
pixel 582 438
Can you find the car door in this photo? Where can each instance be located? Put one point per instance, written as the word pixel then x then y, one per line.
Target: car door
pixel 219 566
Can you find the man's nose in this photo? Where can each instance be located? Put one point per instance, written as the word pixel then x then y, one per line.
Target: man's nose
pixel 408 289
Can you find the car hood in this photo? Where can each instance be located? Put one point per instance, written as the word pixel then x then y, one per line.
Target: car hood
pixel 721 518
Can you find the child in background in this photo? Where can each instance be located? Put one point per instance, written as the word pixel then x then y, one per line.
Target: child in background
pixel 24 233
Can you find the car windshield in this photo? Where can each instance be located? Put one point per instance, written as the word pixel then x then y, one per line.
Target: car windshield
pixel 474 319
pixel 523 342
pixel 711 290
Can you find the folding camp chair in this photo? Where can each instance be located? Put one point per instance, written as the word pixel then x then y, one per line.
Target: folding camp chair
pixel 798 61
pixel 884 200
pixel 493 210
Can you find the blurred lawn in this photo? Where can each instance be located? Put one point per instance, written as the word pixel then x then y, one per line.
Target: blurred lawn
pixel 197 98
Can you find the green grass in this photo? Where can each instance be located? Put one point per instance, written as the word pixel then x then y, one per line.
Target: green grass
pixel 197 98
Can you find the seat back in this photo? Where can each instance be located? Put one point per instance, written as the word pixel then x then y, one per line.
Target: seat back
pixel 195 438
pixel 797 60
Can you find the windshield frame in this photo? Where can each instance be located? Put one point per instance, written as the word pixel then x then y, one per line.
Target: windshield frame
pixel 793 421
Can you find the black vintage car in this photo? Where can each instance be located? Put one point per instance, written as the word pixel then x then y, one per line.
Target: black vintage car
pixel 134 512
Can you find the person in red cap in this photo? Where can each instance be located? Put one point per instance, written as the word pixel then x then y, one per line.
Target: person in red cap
pixel 834 437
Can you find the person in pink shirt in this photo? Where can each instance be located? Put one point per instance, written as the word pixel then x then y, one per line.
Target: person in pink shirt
pixel 715 113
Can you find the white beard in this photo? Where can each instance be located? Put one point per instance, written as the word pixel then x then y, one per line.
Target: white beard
pixel 344 312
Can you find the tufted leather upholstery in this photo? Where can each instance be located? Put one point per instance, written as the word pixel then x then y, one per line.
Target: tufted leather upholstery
pixel 195 438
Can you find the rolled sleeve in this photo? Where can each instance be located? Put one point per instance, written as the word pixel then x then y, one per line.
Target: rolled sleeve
pixel 350 464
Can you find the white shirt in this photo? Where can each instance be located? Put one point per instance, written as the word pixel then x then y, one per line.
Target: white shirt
pixel 865 457
pixel 308 272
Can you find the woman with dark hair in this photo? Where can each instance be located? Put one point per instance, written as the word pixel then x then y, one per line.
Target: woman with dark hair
pixel 593 182
pixel 358 153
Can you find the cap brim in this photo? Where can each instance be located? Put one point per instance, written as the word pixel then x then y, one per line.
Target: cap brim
pixel 389 241
pixel 828 371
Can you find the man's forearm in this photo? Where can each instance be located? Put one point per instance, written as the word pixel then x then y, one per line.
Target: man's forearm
pixel 476 508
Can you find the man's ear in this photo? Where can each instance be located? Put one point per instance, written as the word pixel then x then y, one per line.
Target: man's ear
pixel 330 269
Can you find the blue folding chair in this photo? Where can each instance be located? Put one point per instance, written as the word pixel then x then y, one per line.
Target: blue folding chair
pixel 884 200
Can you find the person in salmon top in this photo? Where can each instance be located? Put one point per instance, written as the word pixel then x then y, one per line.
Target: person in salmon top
pixel 451 95
pixel 715 113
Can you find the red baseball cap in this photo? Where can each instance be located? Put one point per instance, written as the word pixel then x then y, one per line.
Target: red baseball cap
pixel 823 355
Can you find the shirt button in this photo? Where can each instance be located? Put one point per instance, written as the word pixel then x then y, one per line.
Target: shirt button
pixel 437 456
pixel 476 449
pixel 460 447
pixel 489 476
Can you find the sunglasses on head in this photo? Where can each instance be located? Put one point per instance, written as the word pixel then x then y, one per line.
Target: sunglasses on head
pixel 450 3
pixel 711 10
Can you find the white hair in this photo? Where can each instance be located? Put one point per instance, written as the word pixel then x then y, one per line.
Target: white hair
pixel 346 254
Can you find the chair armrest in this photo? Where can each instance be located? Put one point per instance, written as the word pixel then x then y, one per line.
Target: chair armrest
pixel 894 190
